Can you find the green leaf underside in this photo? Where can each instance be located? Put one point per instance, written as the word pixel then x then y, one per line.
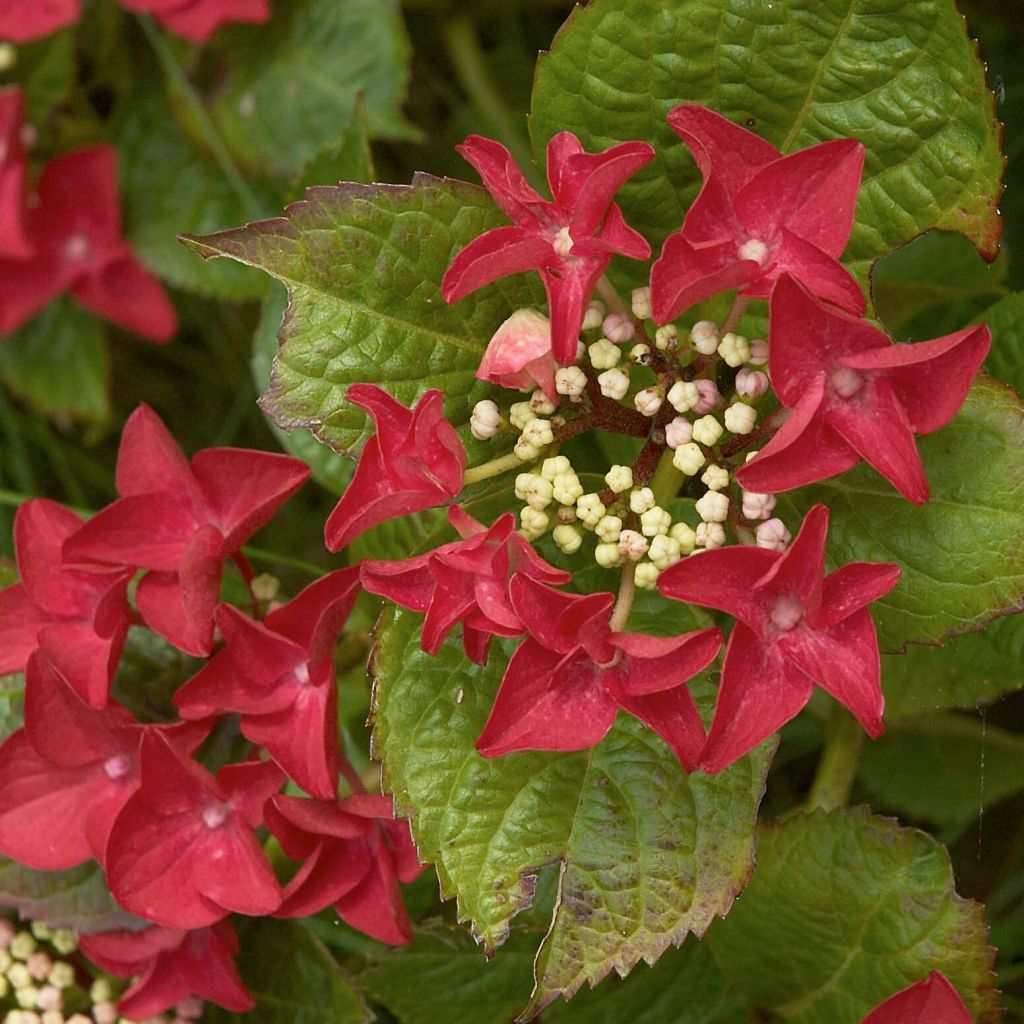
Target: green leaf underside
pixel 280 94
pixel 961 555
pixel 58 363
pixel 77 898
pixel 845 909
pixel 648 854
pixel 293 978
pixel 899 75
pixel 363 265
pixel 443 976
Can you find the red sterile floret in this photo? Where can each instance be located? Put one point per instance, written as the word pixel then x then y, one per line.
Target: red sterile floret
pixel 855 395
pixel 80 616
pixel 24 20
pixel 932 1001
pixel 182 852
pixel 69 771
pixel 519 355
pixel 414 461
pixel 465 581
pixel 354 854
pixel 759 214
pixel 182 520
pixel 797 628
pixel 169 965
pixel 75 232
pixel 279 675
pixel 197 20
pixel 565 683
pixel 569 241
pixel 14 243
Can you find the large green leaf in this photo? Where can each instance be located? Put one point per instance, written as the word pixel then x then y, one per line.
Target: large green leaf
pixel 281 93
pixel 58 363
pixel 1006 360
pixel 648 855
pixel 900 75
pixel 843 910
pixel 363 265
pixel 294 978
pixel 960 553
pixel 77 898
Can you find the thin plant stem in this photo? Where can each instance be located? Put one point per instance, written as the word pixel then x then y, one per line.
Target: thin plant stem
pixel 666 480
pixel 495 467
pixel 837 768
pixel 624 602
pixel 610 294
pixel 735 315
pixel 264 557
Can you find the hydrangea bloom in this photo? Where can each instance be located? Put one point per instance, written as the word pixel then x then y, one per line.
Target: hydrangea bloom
pixel 519 354
pixel 197 20
pixel 24 20
pixel 14 243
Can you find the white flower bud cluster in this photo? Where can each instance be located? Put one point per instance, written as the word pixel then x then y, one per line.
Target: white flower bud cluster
pixel 613 383
pixel 604 354
pixel 594 316
pixel 648 401
pixel 734 349
pixel 704 337
pixel 641 303
pixel 571 381
pixel 485 420
pixel 541 404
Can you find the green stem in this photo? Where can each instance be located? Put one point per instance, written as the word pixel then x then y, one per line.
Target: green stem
pixel 610 294
pixel 734 316
pixel 471 68
pixel 837 768
pixel 624 602
pixel 495 467
pixel 666 480
pixel 177 77
pixel 19 466
pixel 264 557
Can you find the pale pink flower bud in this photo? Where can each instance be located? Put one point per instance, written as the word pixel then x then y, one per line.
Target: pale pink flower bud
pixel 773 535
pixel 7 932
pixel 756 505
pixel 618 327
pixel 519 355
pixel 39 964
pixel 709 396
pixel 49 998
pixel 190 1008
pixel 105 1013
pixel 758 352
pixel 710 535
pixel 751 383
pixel 678 431
pixel 632 545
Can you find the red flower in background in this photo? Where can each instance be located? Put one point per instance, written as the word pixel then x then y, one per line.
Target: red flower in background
pixel 80 616
pixel 170 965
pixel 197 20
pixel 75 232
pixel 24 20
pixel 355 853
pixel 69 771
pixel 279 675
pixel 182 852
pixel 932 1001
pixel 569 241
pixel 181 521
pixel 465 581
pixel 414 461
pixel 796 628
pixel 567 680
pixel 758 215
pixel 856 395
pixel 14 243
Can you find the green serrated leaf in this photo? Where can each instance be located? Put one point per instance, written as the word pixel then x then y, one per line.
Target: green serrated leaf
pixel 77 898
pixel 796 73
pixel 293 977
pixel 649 855
pixel 12 700
pixel 281 93
pixel 845 909
pixel 960 553
pixel 169 186
pixel 58 363
pixel 1006 319
pixel 965 672
pixel 363 265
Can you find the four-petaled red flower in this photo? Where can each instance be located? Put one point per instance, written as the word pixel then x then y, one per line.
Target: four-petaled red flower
pixel 796 628
pixel 181 521
pixel 758 215
pixel 197 20
pixel 182 852
pixel 24 20
pixel 80 617
pixel 569 241
pixel 279 675
pixel 69 771
pixel 856 395
pixel 567 680
pixel 14 243
pixel 355 853
pixel 932 1001
pixel 414 461
pixel 170 965
pixel 75 233
pixel 465 581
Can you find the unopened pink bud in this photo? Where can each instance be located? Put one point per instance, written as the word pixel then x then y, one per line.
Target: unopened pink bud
pixel 618 327
pixel 773 535
pixel 7 932
pixel 519 355
pixel 709 396
pixel 751 383
pixel 190 1008
pixel 39 965
pixel 49 998
pixel 678 431
pixel 756 505
pixel 758 352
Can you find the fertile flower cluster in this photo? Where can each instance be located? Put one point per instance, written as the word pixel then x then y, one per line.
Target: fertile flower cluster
pixel 24 20
pixel 693 514
pixel 85 779
pixel 62 233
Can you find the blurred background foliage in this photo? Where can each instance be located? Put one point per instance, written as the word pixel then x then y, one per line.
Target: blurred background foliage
pixel 369 89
